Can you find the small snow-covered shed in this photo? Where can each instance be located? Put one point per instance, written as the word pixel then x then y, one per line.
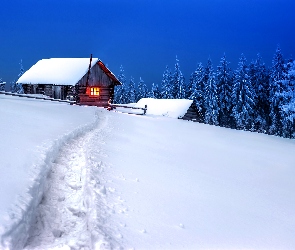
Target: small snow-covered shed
pixel 88 81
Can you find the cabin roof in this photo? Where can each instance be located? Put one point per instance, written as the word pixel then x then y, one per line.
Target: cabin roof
pixel 62 71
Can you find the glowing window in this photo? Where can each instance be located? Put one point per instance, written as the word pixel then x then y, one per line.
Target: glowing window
pixel 94 91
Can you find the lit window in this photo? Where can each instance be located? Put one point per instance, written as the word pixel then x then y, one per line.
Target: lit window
pixel 94 91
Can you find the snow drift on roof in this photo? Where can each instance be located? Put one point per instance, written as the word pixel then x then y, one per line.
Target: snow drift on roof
pixel 174 108
pixel 57 71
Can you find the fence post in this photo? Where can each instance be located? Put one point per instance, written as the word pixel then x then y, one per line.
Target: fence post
pixel 145 108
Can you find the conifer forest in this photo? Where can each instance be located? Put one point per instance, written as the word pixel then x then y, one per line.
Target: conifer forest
pixel 252 97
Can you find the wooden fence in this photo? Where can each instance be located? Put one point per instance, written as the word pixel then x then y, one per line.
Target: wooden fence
pixel 36 97
pixel 114 106
pixel 110 107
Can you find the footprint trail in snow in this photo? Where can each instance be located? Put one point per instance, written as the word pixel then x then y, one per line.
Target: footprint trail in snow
pixel 67 215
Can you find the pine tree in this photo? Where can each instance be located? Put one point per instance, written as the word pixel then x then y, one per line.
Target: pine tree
pixel 142 90
pixel 277 86
pixel 120 91
pixel 287 105
pixel 131 91
pixel 2 85
pixel 15 86
pixel 166 85
pixel 197 89
pixel 155 92
pixel 210 96
pixel 178 83
pixel 243 97
pixel 260 82
pixel 190 87
pixel 22 71
pixel 224 89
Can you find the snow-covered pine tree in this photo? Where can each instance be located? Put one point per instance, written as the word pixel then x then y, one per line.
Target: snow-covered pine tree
pixel 287 106
pixel 243 97
pixel 22 71
pixel 224 83
pixel 178 82
pixel 17 87
pixel 142 91
pixel 131 91
pixel 155 92
pixel 166 84
pixel 2 85
pixel 13 86
pixel 120 91
pixel 277 86
pixel 189 87
pixel 197 91
pixel 260 81
pixel 210 96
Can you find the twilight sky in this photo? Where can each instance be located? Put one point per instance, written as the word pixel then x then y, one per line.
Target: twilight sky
pixel 144 35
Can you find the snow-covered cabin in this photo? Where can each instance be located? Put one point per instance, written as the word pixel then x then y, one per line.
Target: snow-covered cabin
pixel 70 78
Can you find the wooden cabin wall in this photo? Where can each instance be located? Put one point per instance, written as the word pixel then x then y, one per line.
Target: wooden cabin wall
pixel 48 90
pixel 106 94
pixel 27 88
pixel 34 88
pixel 97 78
pixel 53 91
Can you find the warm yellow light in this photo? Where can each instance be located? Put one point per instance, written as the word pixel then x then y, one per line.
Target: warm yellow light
pixel 94 91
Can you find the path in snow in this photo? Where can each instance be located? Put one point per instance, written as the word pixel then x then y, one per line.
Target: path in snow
pixel 73 212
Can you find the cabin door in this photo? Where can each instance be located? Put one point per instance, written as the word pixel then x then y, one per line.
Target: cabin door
pixel 57 92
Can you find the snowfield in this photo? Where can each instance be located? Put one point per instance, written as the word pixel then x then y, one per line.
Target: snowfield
pixel 87 178
pixel 32 133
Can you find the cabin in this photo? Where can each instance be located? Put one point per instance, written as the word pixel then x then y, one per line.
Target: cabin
pixel 84 80
pixel 193 114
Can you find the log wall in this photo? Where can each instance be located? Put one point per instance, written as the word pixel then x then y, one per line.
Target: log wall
pixel 97 78
pixel 106 95
pixel 192 114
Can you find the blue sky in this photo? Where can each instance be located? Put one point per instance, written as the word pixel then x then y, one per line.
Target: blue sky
pixel 144 35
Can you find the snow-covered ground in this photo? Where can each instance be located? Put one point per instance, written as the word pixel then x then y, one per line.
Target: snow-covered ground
pixel 32 132
pixel 142 182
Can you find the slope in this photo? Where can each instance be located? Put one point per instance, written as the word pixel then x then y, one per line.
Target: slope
pixel 32 133
pixel 151 182
pixel 186 185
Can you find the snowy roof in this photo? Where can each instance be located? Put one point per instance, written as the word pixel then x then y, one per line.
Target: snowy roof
pixel 174 108
pixel 58 71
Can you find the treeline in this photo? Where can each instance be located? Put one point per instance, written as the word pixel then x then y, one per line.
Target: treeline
pixel 13 86
pixel 252 97
pixel 2 85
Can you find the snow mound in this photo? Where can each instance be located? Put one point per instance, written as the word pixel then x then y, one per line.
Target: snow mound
pixel 173 108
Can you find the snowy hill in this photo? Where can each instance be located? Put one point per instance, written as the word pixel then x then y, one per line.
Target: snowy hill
pixel 143 182
pixel 32 131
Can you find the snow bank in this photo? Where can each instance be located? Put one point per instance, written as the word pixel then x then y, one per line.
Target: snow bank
pixel 173 184
pixel 173 108
pixel 32 132
pixel 65 71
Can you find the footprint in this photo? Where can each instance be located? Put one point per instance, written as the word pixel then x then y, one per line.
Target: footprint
pixel 57 233
pixel 61 198
pixel 75 185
